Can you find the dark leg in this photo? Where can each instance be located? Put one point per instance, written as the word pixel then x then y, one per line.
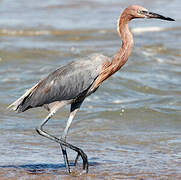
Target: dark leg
pixel 76 159
pixel 71 116
pixel 62 142
pixel 65 157
pixel 74 108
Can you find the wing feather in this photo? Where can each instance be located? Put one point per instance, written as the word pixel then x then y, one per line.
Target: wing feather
pixel 66 83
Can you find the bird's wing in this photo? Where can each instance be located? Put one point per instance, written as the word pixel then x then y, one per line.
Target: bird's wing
pixel 66 83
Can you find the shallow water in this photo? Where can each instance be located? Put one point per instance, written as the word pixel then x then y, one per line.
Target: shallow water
pixel 130 128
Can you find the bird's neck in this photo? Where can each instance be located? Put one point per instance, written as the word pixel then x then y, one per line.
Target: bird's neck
pixel 120 58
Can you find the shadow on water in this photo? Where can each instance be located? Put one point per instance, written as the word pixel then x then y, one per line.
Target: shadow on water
pixel 36 168
pixel 42 168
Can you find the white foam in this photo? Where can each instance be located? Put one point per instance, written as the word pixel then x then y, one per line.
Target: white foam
pixel 117 101
pixel 141 30
pixel 24 32
pixel 10 79
pixel 148 54
pixel 159 60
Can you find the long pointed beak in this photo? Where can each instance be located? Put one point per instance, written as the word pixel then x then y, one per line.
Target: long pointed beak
pixel 158 16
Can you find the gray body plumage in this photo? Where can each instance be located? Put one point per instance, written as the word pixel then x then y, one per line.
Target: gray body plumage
pixel 69 82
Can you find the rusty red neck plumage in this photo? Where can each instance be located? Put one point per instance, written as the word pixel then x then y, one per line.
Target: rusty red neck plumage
pixel 120 58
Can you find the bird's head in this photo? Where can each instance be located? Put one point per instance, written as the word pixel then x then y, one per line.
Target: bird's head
pixel 135 11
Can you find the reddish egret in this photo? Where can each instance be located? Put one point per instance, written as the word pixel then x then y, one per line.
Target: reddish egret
pixel 72 83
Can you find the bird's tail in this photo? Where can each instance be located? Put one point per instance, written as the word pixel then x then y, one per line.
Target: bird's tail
pixel 18 104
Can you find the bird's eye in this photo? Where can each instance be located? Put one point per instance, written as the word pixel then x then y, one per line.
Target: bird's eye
pixel 144 12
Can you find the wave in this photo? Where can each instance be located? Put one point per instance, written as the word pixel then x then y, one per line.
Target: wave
pixel 140 30
pixel 26 32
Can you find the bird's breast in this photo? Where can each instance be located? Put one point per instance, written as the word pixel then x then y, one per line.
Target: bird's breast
pixel 108 68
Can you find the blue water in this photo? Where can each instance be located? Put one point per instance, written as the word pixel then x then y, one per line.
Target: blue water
pixel 130 128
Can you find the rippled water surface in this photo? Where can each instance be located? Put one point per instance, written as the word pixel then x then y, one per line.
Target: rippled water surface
pixel 130 128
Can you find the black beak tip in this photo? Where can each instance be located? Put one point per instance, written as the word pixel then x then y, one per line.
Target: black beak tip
pixel 167 18
pixel 170 19
pixel 158 16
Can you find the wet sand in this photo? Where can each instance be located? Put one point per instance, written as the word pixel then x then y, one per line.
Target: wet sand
pixel 41 173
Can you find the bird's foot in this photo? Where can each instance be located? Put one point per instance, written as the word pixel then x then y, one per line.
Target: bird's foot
pixel 85 161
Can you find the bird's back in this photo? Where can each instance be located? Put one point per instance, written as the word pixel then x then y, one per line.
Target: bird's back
pixel 65 83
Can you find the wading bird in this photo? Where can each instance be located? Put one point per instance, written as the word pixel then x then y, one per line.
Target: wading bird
pixel 72 83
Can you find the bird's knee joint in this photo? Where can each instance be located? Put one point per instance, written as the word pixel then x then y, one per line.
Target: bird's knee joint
pixel 38 130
